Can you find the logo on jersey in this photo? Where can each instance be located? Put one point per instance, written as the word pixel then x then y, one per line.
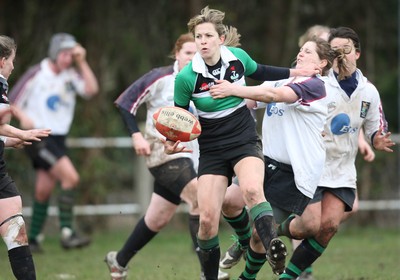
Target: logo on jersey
pixel 364 108
pixel 331 106
pixel 216 72
pixel 234 75
pixel 272 109
pixel 53 102
pixel 206 86
pixel 340 124
pixel 70 87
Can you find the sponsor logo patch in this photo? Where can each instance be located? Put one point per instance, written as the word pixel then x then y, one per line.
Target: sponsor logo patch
pixel 364 109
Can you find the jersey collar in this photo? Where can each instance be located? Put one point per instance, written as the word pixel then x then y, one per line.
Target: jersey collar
pixel 199 66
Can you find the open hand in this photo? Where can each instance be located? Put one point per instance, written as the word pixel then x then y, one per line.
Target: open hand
pixel 35 134
pixel 171 147
pixel 383 142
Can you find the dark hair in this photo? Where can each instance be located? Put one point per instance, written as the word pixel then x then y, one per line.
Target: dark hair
pixel 7 46
pixel 345 33
pixel 324 51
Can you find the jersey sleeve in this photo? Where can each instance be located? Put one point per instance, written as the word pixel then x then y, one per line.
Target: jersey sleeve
pixel 139 91
pixel 373 113
pixel 183 88
pixel 310 90
pixel 17 94
pixel 257 71
pixel 250 66
pixel 77 82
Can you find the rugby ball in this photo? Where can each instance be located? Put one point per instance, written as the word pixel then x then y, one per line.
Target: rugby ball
pixel 176 124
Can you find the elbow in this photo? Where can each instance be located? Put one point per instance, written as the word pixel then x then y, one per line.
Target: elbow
pixel 269 97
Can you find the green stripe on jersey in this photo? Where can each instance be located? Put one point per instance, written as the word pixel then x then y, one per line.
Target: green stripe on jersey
pixel 209 104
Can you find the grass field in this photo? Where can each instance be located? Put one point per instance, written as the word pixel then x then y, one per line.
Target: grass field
pixel 354 254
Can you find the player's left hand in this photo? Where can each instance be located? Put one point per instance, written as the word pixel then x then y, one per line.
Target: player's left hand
pixel 383 142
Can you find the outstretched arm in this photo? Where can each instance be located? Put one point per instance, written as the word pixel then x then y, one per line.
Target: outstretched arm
pixel 25 135
pixel 273 73
pixel 16 143
pixel 25 122
pixel 307 72
pixel 259 93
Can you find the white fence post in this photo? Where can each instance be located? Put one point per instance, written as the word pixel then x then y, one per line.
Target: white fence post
pixel 143 182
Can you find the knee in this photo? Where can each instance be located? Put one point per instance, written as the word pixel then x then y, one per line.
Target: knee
pixel 192 204
pixel 252 196
pixel 207 228
pixel 157 218
pixel 14 234
pixel 71 182
pixel 158 224
pixel 301 228
pixel 43 195
pixel 230 209
pixel 328 229
pixel 226 209
pixel 193 207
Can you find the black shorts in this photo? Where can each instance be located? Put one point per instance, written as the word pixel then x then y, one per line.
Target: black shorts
pixel 46 153
pixel 221 162
pixel 8 187
pixel 171 177
pixel 280 188
pixel 346 195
